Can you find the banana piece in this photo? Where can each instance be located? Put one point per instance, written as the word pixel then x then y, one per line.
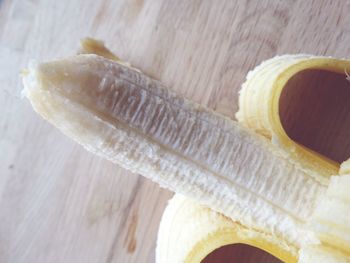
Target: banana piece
pixel 119 113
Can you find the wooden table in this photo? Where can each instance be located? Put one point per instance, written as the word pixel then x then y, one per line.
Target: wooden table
pixel 60 203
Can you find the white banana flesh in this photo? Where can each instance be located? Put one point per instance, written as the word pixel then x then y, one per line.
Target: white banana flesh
pixel 331 219
pixel 259 110
pixel 134 121
pixel 120 114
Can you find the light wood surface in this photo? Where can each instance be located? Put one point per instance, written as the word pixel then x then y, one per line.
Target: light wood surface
pixel 59 203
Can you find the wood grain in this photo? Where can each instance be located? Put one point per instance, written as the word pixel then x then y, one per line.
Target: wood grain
pixel 59 203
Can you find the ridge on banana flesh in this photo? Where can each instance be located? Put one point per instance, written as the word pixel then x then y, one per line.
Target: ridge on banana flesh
pixel 263 88
pixel 132 120
pixel 200 229
pixel 119 113
pixel 189 232
pixel 330 222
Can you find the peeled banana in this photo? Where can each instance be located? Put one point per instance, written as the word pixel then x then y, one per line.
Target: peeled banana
pixel 268 190
pixel 259 110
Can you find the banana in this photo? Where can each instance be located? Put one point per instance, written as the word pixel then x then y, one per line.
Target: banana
pixel 259 110
pixel 119 113
pixel 200 229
